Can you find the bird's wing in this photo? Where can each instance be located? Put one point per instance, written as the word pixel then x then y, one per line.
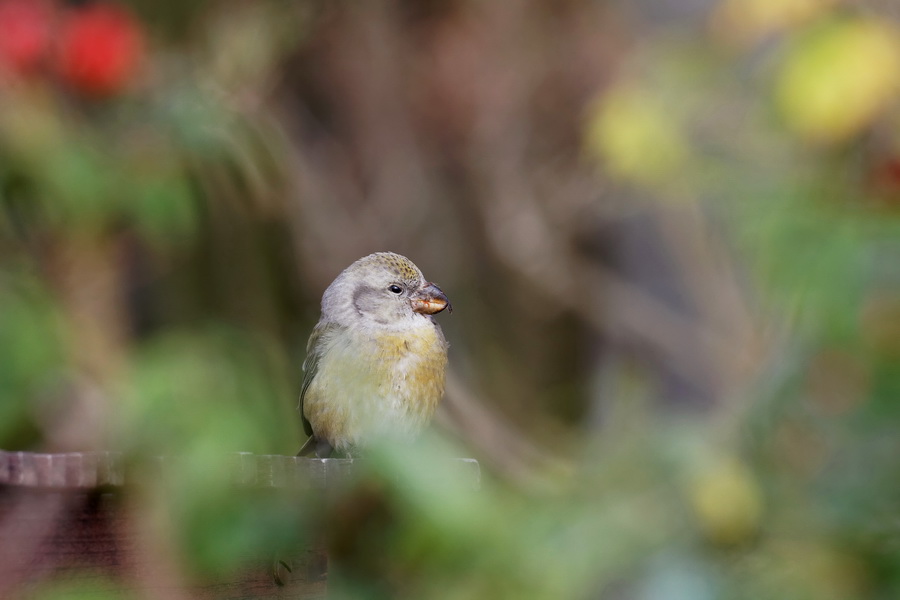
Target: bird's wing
pixel 314 350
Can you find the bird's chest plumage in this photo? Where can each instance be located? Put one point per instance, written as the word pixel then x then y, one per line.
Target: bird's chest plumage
pixel 370 386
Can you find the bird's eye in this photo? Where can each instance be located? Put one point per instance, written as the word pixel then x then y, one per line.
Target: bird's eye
pixel 394 288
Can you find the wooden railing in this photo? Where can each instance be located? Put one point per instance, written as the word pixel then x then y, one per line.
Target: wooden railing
pixel 62 518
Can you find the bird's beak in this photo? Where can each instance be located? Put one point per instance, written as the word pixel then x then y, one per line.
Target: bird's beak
pixel 429 300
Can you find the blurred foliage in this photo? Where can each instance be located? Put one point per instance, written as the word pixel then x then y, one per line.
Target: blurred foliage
pixel 671 232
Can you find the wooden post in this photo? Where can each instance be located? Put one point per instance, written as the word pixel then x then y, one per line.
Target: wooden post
pixel 62 517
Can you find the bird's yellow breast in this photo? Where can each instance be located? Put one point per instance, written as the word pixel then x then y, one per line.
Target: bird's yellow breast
pixel 370 386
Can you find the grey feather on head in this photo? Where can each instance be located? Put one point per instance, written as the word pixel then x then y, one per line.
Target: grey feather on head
pixel 373 292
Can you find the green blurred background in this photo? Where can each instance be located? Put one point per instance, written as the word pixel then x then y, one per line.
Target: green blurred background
pixel 670 231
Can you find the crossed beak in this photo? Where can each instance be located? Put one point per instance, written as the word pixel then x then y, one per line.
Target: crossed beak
pixel 429 300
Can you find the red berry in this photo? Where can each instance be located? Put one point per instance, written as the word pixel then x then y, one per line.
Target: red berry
pixel 100 48
pixel 24 34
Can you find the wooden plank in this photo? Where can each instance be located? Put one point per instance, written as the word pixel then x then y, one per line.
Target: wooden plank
pixel 89 470
pixel 64 517
pixel 82 470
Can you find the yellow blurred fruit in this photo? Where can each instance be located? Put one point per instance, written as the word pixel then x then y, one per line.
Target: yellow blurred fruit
pixel 838 79
pixel 726 501
pixel 635 136
pixel 746 21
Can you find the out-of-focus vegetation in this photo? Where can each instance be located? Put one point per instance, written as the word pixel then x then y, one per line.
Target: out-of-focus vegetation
pixel 671 231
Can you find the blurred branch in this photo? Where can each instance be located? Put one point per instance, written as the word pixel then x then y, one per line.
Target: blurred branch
pixel 510 451
pixel 89 275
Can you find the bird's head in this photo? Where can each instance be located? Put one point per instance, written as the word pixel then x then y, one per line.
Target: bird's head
pixel 382 290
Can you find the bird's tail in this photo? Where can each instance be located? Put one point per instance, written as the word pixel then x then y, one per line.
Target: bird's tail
pixel 309 447
pixel 315 448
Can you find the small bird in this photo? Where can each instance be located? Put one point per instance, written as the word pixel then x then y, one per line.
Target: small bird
pixel 375 361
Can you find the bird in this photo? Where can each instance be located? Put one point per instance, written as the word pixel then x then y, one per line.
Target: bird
pixel 376 360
